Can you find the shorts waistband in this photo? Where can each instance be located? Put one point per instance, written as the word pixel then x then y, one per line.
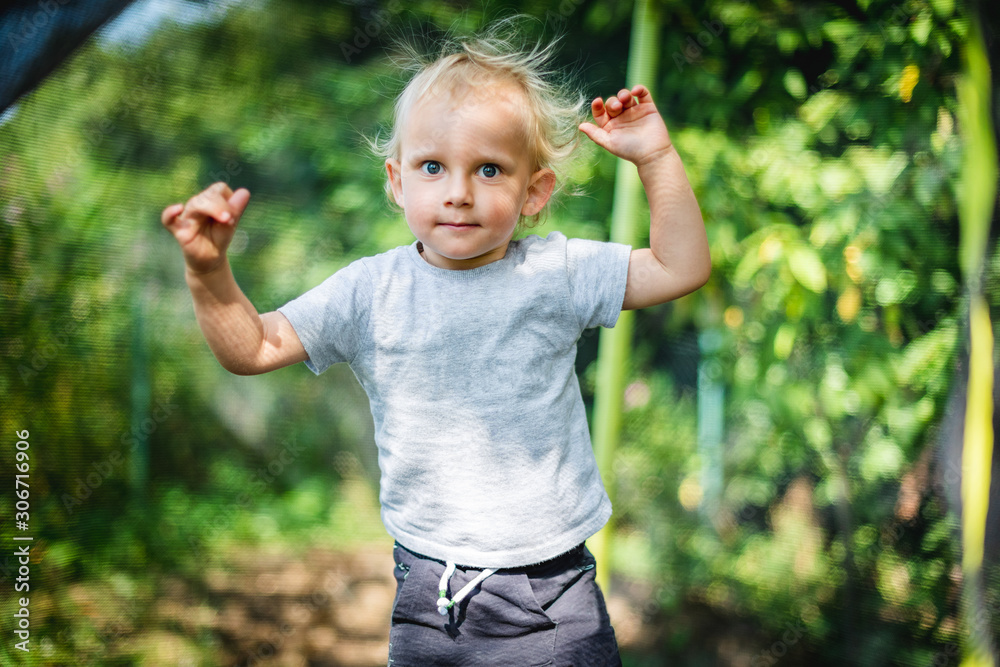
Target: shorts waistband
pixel 563 560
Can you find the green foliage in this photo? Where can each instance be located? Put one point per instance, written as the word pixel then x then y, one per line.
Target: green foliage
pixel 826 184
pixel 821 142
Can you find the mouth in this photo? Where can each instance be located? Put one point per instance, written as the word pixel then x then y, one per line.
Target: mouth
pixel 458 225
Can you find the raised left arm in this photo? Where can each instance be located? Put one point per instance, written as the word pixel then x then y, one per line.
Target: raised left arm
pixel 677 261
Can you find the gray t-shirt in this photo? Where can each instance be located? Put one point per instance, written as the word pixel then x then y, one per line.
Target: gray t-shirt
pixel 482 438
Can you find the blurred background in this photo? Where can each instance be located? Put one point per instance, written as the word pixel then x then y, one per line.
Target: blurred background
pixel 789 461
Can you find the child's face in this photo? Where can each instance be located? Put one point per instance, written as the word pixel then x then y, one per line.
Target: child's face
pixel 464 176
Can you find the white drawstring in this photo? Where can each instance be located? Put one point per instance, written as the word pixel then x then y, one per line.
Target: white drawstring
pixel 443 603
pixel 443 586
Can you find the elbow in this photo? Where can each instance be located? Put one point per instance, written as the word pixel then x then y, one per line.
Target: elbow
pixel 703 270
pixel 245 371
pixel 701 277
pixel 239 368
pixel 697 276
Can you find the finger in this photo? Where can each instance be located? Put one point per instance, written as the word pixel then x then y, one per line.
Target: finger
pixel 222 188
pixel 625 97
pixel 218 191
pixel 596 134
pixel 643 96
pixel 170 212
pixel 599 112
pixel 211 204
pixel 225 211
pixel 238 202
pixel 614 106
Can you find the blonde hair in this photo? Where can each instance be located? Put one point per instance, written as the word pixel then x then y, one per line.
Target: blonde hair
pixel 498 55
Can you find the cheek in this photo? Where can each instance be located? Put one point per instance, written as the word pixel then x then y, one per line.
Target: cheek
pixel 508 201
pixel 417 198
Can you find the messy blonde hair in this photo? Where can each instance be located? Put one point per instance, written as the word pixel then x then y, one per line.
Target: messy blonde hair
pixel 497 55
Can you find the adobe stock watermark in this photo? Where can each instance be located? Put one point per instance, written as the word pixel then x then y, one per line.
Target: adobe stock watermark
pixel 566 9
pixel 901 15
pixel 762 156
pixel 729 521
pixel 944 657
pixel 100 471
pixel 779 649
pixel 225 517
pixel 260 142
pixel 120 626
pixel 320 598
pixel 28 27
pixel 376 21
pixel 253 152
pixel 126 103
pixel 979 625
pixel 39 358
pixel 695 45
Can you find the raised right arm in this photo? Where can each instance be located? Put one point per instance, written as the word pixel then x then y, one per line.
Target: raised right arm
pixel 244 342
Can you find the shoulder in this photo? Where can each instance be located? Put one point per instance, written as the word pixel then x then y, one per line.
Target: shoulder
pixel 534 241
pixel 557 241
pixel 534 248
pixel 574 253
pixel 574 250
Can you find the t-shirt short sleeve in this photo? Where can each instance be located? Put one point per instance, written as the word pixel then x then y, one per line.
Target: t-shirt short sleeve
pixel 597 272
pixel 331 318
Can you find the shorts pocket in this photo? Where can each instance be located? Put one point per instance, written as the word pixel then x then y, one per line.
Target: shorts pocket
pixel 504 617
pixel 415 601
pixel 505 606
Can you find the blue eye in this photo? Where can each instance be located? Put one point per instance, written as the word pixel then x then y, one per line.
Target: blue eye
pixel 489 170
pixel 431 167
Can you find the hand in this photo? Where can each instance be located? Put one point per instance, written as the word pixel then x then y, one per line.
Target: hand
pixel 205 225
pixel 629 126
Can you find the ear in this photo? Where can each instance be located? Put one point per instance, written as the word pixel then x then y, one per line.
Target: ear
pixel 540 188
pixel 395 174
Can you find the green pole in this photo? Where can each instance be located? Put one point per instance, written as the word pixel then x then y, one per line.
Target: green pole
pixel 975 212
pixel 614 345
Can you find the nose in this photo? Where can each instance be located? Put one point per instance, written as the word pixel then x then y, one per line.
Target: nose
pixel 459 192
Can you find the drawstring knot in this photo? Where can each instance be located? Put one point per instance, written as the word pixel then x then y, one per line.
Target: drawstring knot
pixel 443 603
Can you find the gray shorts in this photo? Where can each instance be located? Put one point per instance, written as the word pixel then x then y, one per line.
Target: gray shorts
pixel 550 614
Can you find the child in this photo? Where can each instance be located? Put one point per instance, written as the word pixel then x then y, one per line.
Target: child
pixel 465 342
